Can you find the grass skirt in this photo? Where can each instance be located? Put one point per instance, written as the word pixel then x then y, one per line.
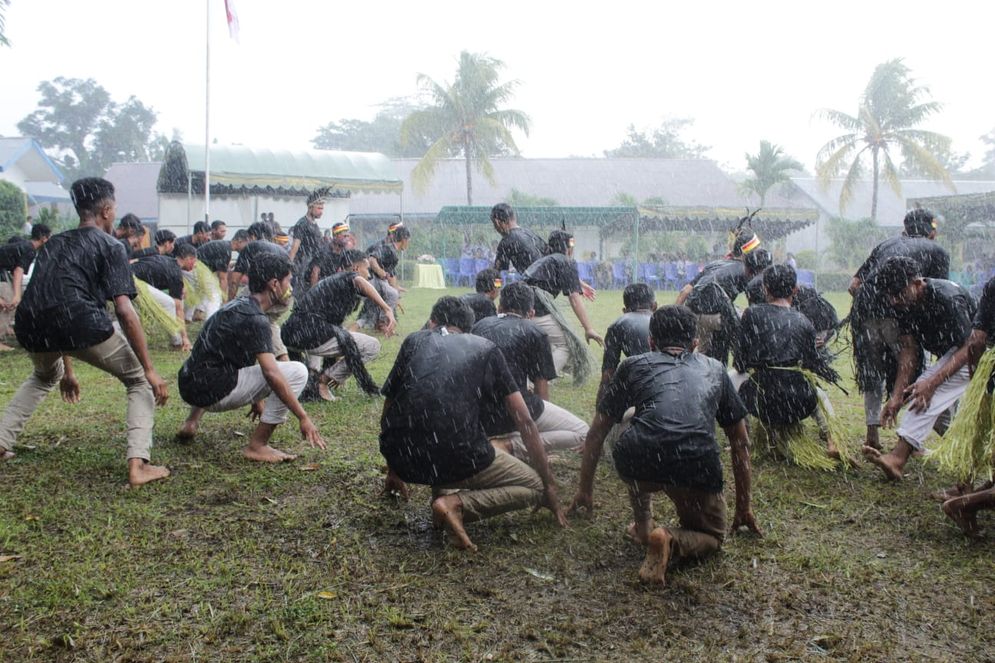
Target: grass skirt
pixel 967 449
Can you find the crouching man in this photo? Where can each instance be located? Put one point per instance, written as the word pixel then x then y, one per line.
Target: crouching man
pixel 670 444
pixel 431 433
pixel 232 365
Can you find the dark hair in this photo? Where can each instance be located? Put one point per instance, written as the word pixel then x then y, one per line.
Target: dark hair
pixel 139 231
pixel 217 223
pixel 502 212
pixel 89 194
pixel 451 311
pixel 260 230
pixel 485 280
pixel 755 291
pixel 130 222
pixel 743 237
pixel 780 280
pixel 241 236
pixel 350 257
pixel 518 298
pixel 559 241
pixel 896 274
pixel 184 251
pixel 399 234
pixel 201 227
pixel 40 231
pixel 919 222
pixel 674 326
pixel 757 261
pixel 163 236
pixel 637 296
pixel 265 268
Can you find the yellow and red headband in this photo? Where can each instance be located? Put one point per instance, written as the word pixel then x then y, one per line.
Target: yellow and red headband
pixel 340 229
pixel 394 226
pixel 753 243
pixel 497 283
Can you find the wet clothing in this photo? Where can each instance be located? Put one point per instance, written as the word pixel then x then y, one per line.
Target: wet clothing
pixel 20 253
pixel 252 251
pixel 147 252
pixel 327 261
pixel 386 256
pixel 519 248
pixel 187 239
pixel 671 437
pixel 216 254
pixel 323 307
pixel 308 234
pixel 481 304
pixel 729 275
pixel 555 273
pixel 628 335
pixel 942 319
pixel 526 351
pixel 984 319
pixel 431 431
pixel 162 273
pixel 771 339
pixel 712 295
pixel 228 342
pixel 64 306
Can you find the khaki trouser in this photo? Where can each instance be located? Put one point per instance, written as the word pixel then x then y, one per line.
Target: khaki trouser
pixel 505 485
pixel 558 429
pixel 708 325
pixel 252 387
pixel 369 348
pixel 702 516
pixel 557 340
pixel 6 317
pixel 113 356
pixel 274 313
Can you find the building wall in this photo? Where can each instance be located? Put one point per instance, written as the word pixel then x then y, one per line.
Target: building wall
pixel 15 175
pixel 178 214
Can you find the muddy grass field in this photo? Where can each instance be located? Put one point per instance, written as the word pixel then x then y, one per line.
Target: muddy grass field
pixel 227 560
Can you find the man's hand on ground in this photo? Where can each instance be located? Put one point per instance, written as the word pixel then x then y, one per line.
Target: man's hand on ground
pixel 159 387
pixel 310 433
pixel 745 518
pixel 552 502
pixel 582 502
pixel 69 388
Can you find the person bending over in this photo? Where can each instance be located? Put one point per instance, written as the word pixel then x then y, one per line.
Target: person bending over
pixel 431 432
pixel 232 365
pixel 164 276
pixel 15 261
pixel 260 243
pixel 487 288
pixel 384 259
pixel 670 444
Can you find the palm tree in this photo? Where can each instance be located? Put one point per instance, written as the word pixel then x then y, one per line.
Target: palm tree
pixel 3 10
pixel 467 117
pixel 890 109
pixel 769 166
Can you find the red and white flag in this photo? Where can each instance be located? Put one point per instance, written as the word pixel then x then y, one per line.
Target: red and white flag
pixel 232 19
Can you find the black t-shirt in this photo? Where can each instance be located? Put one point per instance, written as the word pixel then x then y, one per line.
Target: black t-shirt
pixel 228 342
pixel 64 307
pixel 671 438
pixel 19 253
pixel 327 261
pixel 520 247
pixel 807 301
pixel 216 254
pixel 185 239
pixel 144 253
pixel 941 320
pixel 482 305
pixel 730 275
pixel 325 305
pixel 162 273
pixel 386 255
pixel 933 261
pixel 984 319
pixel 526 349
pixel 252 251
pixel 628 335
pixel 554 273
pixel 431 431
pixel 309 235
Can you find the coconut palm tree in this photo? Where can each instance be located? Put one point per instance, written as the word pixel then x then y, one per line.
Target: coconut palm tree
pixel 769 166
pixel 890 110
pixel 468 119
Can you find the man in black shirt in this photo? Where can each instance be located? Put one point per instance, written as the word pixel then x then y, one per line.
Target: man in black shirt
pixel 165 241
pixel 63 314
pixel 218 230
pixel 487 286
pixel 670 445
pixel 527 353
pixel 328 259
pixel 315 326
pixel 15 261
pixel 629 335
pixel 873 322
pixel 519 247
pixel 934 316
pixel 431 431
pixel 384 259
pixel 201 235
pixel 549 276
pixel 129 232
pixel 232 365
pixel 260 243
pixel 307 239
pixel 164 275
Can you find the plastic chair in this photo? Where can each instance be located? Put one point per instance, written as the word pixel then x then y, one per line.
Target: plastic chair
pixel 586 272
pixel 480 264
pixel 619 278
pixel 466 271
pixel 649 274
pixel 691 273
pixel 671 279
pixel 806 277
pixel 450 269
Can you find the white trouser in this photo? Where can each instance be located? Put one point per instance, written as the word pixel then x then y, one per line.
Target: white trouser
pixel 252 387
pixel 915 427
pixel 369 348
pixel 558 429
pixel 167 304
pixel 557 340
pixel 210 305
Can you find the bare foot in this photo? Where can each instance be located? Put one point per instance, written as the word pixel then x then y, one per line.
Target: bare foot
pixel 831 450
pixel 141 472
pixel 449 510
pixel 632 531
pixel 5 348
pixel 187 431
pixel 872 439
pixel 267 454
pixel 891 467
pixel 966 521
pixel 7 455
pixel 326 393
pixel 393 485
pixel 950 493
pixel 654 568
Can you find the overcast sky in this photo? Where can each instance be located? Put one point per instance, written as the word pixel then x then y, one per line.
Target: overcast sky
pixel 744 71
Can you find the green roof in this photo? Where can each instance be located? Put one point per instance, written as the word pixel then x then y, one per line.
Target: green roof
pixel 236 168
pixel 540 216
pixel 768 223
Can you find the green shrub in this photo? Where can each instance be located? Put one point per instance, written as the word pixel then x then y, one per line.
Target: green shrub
pixel 13 209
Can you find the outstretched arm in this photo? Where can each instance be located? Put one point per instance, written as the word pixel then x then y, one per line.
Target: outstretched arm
pixel 577 304
pixel 742 474
pixel 366 289
pixel 592 454
pixel 132 328
pixel 907 358
pixel 519 412
pixel 275 380
pixel 683 294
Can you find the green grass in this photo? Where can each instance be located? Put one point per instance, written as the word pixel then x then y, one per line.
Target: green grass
pixel 229 560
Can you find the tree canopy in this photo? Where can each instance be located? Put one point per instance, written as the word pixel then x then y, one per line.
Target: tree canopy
pixel 13 209
pixel 769 166
pixel 665 142
pixel 381 134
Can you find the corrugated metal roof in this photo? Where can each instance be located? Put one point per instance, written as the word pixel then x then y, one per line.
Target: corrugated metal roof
pixel 46 192
pixel 39 165
pixel 539 216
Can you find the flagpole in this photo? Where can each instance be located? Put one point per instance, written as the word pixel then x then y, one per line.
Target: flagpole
pixel 207 120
